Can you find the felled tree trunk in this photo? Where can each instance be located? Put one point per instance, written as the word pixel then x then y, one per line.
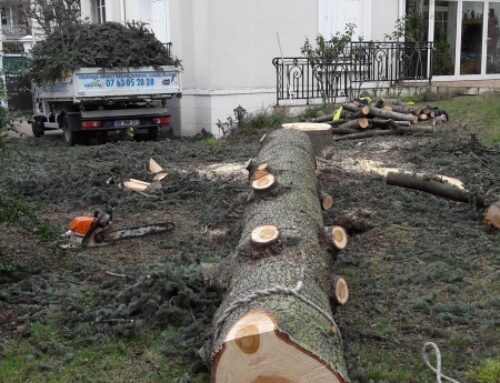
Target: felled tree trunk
pixel 275 323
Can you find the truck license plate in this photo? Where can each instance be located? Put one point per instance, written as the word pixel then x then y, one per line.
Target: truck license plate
pixel 122 123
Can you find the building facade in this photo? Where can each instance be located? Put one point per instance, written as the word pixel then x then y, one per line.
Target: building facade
pixel 227 46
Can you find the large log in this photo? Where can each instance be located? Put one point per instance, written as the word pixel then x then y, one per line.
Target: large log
pixel 275 323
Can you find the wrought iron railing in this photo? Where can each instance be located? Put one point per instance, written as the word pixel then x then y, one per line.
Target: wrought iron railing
pixel 365 66
pixel 15 31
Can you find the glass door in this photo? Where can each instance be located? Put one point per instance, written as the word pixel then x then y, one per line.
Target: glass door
pixel 471 44
pixel 466 38
pixel 493 39
pixel 445 38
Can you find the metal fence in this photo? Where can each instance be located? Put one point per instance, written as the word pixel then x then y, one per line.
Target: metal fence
pixel 366 65
pixel 15 31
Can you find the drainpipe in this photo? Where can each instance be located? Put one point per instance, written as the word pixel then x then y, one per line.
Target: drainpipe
pixel 123 10
pixel 3 103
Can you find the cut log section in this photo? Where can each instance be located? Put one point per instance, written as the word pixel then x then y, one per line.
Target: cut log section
pixel 263 167
pixel 154 167
pixel 337 236
pixel 492 216
pixel 259 174
pixel 341 291
pixel 262 170
pixel 160 176
pixel 359 123
pixel 265 182
pixel 264 235
pixel 326 200
pixel 136 185
pixel 319 134
pixel 256 351
pixel 274 324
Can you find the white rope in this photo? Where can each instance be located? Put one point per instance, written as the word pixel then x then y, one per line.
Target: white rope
pixel 426 350
pixel 271 291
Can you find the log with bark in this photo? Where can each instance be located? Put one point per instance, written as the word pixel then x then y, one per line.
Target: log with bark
pixel 359 123
pixel 432 186
pixel 378 132
pixel 275 323
pixel 390 115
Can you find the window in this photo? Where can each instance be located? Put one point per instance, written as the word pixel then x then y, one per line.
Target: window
pixel 99 11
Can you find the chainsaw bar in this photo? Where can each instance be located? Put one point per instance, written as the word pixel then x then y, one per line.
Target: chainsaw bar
pixel 133 232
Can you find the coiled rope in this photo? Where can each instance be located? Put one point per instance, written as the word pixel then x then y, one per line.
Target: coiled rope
pixel 426 351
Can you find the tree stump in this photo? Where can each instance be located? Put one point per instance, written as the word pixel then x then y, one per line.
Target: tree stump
pixel 275 322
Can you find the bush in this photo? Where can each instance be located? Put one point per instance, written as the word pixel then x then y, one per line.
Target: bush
pixel 262 120
pixel 487 372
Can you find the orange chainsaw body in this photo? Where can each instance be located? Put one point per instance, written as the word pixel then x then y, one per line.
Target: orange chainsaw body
pixel 81 225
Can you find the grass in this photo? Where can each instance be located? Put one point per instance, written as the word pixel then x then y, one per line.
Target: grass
pixel 14 211
pixel 50 355
pixel 480 113
pixel 209 142
pixel 487 372
pixel 260 121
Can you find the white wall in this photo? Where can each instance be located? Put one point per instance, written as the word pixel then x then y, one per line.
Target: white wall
pixel 384 16
pixel 227 47
pixel 335 14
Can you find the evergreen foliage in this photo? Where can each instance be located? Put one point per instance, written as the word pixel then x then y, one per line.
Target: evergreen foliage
pixel 109 45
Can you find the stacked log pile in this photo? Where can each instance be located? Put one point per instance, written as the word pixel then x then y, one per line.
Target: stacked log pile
pixel 360 119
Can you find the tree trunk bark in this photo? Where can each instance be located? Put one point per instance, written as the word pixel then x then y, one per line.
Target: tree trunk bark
pixel 264 330
pixel 440 189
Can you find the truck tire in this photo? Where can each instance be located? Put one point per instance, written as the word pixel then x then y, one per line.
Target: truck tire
pixel 37 127
pixel 71 137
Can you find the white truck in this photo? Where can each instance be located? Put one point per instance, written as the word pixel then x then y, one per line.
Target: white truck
pixel 98 101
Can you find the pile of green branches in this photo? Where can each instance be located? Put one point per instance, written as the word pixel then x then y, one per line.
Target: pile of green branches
pixel 109 45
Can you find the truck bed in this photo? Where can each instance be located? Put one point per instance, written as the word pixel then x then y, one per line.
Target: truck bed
pixel 129 83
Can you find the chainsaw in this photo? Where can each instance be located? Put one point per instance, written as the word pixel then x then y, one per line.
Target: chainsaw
pixel 98 230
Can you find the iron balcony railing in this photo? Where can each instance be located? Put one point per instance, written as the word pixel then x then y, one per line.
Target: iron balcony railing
pixel 15 31
pixel 366 65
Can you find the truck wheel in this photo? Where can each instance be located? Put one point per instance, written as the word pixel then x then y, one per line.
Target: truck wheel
pixel 152 134
pixel 37 127
pixel 70 137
